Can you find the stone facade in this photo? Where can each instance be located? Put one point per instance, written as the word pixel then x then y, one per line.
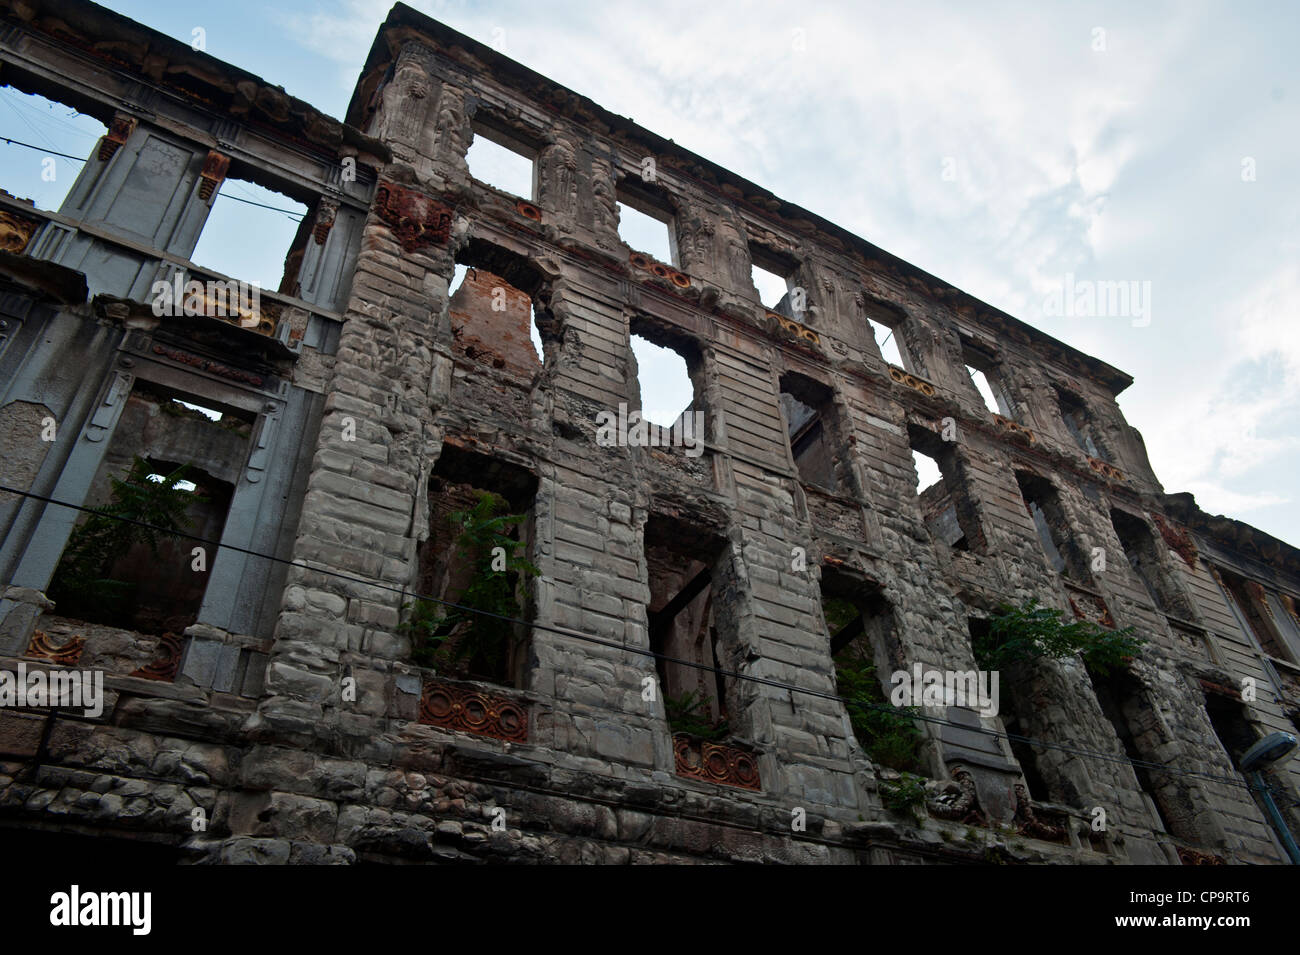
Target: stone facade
pixel 293 718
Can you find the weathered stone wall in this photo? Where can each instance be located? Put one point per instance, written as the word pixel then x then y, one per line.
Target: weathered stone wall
pixel 319 739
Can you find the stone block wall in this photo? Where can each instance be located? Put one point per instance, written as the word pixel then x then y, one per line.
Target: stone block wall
pixel 319 738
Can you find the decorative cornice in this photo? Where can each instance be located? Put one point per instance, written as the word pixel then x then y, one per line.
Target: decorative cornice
pixel 1233 535
pixel 912 381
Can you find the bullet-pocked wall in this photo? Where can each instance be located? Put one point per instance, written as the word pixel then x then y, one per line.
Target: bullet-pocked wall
pixel 515 622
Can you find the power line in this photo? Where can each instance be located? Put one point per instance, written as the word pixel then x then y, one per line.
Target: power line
pixel 573 634
pixel 42 149
pixel 26 122
pixel 48 117
pixel 291 213
pixel 295 216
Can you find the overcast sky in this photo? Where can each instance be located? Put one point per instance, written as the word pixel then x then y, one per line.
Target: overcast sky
pixel 1000 147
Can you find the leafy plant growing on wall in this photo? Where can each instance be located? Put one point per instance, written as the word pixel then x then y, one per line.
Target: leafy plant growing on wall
pixel 839 613
pixel 1030 632
pixel 689 713
pixel 465 635
pixel 79 587
pixel 902 795
pixel 888 733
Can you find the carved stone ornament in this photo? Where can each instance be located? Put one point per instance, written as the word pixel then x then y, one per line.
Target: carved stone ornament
pixel 169 660
pixel 213 173
pixel 463 707
pixel 119 131
pixel 715 762
pixel 326 210
pixel 67 655
pixel 418 221
pixel 15 231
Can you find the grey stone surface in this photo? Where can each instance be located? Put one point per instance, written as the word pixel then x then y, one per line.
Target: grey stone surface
pixel 295 719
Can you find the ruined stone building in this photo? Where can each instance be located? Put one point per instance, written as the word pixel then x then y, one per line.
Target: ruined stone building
pixel 283 697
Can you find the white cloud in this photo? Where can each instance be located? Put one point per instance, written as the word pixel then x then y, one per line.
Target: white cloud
pixel 343 36
pixel 1114 165
pixel 1215 499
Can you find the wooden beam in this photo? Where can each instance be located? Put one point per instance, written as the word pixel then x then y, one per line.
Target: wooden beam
pixel 661 620
pixel 845 634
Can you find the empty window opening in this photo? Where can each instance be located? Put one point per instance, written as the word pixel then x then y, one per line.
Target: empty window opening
pixel 645 232
pixel 180 485
pixel 1237 734
pixel 887 342
pixel 210 413
pixel 500 310
pixel 865 648
pixel 663 382
pixel 248 232
pixel 490 306
pixel 1046 537
pixel 1015 723
pixel 927 471
pixel 47 151
pixel 1288 626
pixel 164 588
pixel 687 626
pixel 168 465
pixel 1043 504
pixel 1125 705
pixel 808 444
pixel 1078 421
pixel 476 505
pixel 994 396
pixel 985 374
pixel 946 504
pixel 857 612
pixel 982 385
pixel 669 387
pixel 500 166
pixel 1025 755
pixel 1228 717
pixel 772 273
pixel 772 290
pixel 1145 556
pixel 1247 599
pixel 812 428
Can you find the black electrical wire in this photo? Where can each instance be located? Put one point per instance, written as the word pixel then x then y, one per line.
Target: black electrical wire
pixel 291 213
pixel 48 152
pixel 295 216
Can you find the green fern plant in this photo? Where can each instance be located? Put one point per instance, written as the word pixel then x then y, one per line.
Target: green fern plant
pixel 472 634
pixel 688 712
pixel 1030 632
pixel 902 795
pixel 888 733
pixel 79 587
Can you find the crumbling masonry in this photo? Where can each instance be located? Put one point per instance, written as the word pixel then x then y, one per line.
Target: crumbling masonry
pixel 361 407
